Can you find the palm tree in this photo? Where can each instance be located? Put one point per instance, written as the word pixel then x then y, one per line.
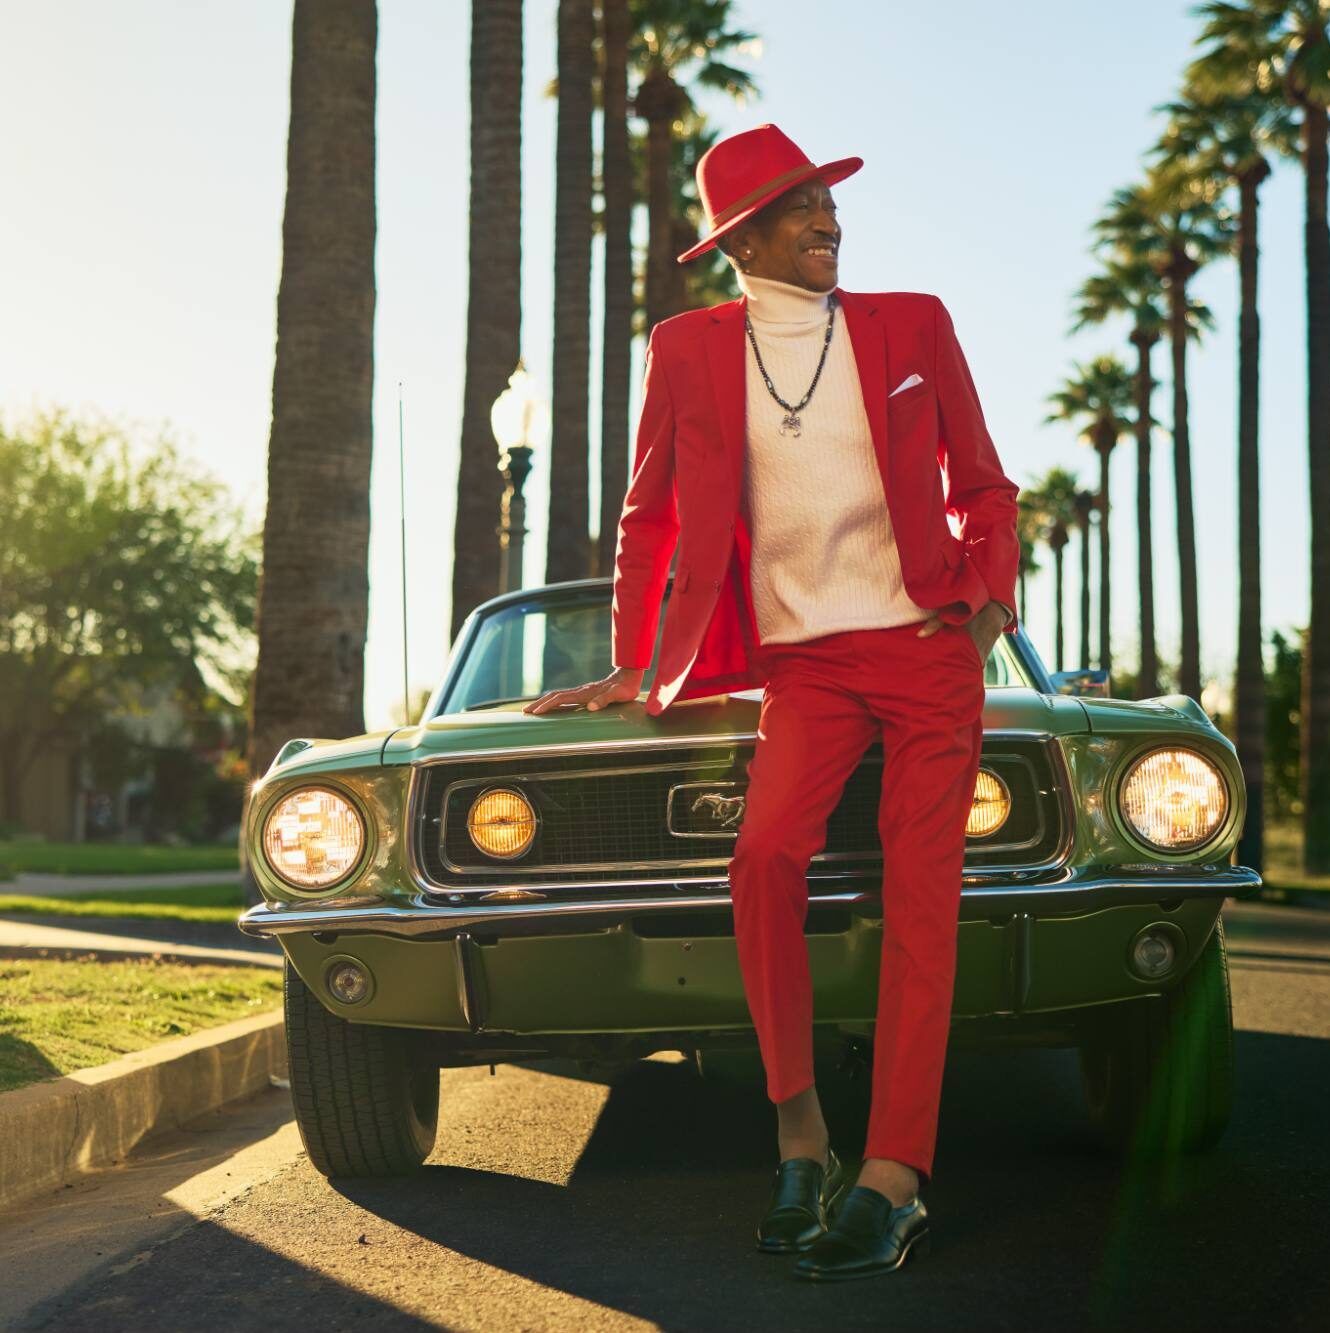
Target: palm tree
pixel 1084 502
pixel 1132 288
pixel 1097 397
pixel 1055 498
pixel 1232 135
pixel 1175 221
pixel 568 554
pixel 708 279
pixel 314 593
pixel 494 293
pixel 1029 521
pixel 616 355
pixel 1275 47
pixel 674 41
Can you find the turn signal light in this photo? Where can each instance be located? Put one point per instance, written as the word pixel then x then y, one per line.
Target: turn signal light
pixel 502 823
pixel 991 805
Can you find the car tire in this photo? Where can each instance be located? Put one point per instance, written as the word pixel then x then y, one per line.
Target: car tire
pixel 366 1098
pixel 1159 1076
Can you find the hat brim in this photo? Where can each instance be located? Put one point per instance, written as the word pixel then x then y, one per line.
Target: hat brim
pixel 829 173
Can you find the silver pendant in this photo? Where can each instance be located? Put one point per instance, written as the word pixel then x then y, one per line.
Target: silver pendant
pixel 793 422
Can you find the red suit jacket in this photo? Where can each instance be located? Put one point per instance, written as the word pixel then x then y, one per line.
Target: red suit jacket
pixel 933 450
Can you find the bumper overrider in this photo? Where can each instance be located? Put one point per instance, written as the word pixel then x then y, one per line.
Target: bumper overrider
pixel 661 961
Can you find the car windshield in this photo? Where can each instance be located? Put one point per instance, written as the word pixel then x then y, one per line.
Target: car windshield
pixel 555 642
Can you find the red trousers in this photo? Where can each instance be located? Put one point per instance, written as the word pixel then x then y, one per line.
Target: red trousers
pixel 826 700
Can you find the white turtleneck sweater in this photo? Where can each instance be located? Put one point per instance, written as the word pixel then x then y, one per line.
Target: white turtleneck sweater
pixel 824 556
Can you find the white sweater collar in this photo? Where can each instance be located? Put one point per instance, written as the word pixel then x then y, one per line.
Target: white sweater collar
pixel 781 303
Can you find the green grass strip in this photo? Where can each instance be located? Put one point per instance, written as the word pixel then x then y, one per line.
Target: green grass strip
pixel 203 902
pixel 57 1016
pixel 110 858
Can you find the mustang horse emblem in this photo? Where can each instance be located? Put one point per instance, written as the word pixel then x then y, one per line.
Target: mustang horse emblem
pixel 725 811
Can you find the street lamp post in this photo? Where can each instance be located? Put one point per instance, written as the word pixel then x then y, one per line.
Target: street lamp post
pixel 519 418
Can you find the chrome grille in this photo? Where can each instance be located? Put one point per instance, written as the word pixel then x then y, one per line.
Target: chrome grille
pixel 599 816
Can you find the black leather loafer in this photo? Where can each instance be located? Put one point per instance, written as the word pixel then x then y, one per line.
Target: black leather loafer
pixel 868 1237
pixel 801 1200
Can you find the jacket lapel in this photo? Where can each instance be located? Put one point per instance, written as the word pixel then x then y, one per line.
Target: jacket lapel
pixel 864 326
pixel 725 361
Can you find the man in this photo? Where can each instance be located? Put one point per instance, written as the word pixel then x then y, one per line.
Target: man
pixel 805 447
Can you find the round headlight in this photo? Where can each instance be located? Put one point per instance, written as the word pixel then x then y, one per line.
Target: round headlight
pixel 501 823
pixel 1174 800
pixel 313 838
pixel 991 806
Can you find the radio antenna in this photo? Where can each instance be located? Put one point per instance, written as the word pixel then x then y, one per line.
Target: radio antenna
pixel 401 483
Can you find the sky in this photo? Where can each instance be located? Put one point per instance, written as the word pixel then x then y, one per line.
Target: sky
pixel 140 253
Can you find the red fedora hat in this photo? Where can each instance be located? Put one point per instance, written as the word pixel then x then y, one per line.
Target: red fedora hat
pixel 736 176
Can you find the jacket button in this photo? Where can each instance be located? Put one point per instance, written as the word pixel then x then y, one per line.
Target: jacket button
pixel 715 583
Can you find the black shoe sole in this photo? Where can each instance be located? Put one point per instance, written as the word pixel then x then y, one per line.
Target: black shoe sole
pixel 917 1247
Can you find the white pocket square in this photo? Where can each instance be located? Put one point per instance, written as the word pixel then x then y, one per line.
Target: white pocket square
pixel 906 384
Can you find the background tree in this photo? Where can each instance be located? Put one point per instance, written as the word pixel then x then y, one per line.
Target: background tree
pixel 494 293
pixel 617 216
pixel 568 554
pixel 1277 47
pixel 1175 222
pixel 121 571
pixel 1029 529
pixel 1097 397
pixel 674 43
pixel 1231 137
pixel 1283 701
pixel 314 592
pixel 1085 509
pixel 1132 288
pixel 1054 498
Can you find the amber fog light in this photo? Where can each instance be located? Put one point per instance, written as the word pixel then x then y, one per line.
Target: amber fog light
pixel 991 805
pixel 348 981
pixel 1174 800
pixel 502 823
pixel 313 838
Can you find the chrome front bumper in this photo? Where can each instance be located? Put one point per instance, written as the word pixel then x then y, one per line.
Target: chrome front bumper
pixel 424 917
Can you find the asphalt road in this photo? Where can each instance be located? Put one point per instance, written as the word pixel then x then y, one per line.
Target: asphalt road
pixel 558 1202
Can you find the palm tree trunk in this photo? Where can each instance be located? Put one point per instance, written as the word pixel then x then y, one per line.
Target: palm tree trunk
pixel 1085 593
pixel 616 362
pixel 1316 671
pixel 1189 671
pixel 1058 617
pixel 569 554
pixel 660 102
pixel 314 596
pixel 1104 449
pixel 494 294
pixel 313 603
pixel 1147 684
pixel 1249 694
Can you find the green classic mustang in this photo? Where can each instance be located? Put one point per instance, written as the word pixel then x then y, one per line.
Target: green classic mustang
pixel 491 885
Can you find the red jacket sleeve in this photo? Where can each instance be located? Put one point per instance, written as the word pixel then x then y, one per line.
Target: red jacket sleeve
pixel 649 524
pixel 977 491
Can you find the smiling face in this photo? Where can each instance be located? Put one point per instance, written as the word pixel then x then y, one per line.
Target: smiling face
pixel 794 239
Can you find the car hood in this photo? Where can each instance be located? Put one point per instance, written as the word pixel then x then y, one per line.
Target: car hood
pixel 628 724
pixel 1168 711
pixel 305 755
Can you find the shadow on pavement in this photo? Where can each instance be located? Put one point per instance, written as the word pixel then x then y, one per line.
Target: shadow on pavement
pixel 1034 1226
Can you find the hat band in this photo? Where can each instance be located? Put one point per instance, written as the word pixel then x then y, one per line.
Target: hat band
pixel 739 205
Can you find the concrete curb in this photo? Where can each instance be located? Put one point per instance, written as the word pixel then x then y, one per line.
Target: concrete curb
pixel 52 1132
